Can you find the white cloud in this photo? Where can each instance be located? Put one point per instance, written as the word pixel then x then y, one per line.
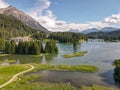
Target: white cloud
pixel 3 4
pixel 45 17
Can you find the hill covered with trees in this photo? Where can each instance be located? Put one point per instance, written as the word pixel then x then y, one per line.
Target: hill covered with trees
pixel 12 27
pixel 107 36
pixel 67 37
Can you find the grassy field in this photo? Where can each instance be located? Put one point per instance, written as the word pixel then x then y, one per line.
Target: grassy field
pixel 6 72
pixel 96 87
pixel 27 83
pixel 80 68
pixel 76 54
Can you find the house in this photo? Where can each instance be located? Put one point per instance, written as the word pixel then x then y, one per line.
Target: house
pixel 23 39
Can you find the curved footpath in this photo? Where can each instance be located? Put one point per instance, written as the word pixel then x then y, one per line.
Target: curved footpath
pixel 15 76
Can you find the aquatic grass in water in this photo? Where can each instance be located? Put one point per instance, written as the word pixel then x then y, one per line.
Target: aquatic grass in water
pixel 76 54
pixel 7 61
pixel 96 87
pixel 27 83
pixel 80 68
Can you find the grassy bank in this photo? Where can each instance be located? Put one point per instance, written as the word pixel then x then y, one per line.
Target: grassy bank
pixel 76 54
pixel 7 72
pixel 80 68
pixel 7 61
pixel 27 83
pixel 4 55
pixel 96 87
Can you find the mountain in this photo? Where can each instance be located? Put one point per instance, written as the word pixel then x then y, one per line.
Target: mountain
pixel 12 27
pixel 108 36
pixel 105 29
pixel 72 30
pixel 26 19
pixel 89 30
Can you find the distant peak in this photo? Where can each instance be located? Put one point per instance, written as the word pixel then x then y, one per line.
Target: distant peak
pixel 12 7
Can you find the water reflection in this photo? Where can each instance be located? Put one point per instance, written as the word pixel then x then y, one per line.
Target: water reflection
pixel 50 57
pixel 117 83
pixel 23 59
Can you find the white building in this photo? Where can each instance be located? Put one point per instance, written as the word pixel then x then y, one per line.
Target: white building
pixel 23 39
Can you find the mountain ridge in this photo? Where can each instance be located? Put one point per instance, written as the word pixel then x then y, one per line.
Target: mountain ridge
pixel 91 30
pixel 23 17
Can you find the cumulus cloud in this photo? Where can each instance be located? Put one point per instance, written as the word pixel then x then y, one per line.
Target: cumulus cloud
pixel 45 17
pixel 3 4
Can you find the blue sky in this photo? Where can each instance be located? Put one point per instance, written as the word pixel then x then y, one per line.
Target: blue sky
pixel 70 14
pixel 81 11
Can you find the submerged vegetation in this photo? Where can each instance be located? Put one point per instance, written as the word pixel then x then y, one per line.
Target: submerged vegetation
pixel 80 68
pixel 25 83
pixel 7 61
pixel 96 87
pixel 76 54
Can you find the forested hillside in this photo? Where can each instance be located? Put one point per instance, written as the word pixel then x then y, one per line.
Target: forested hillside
pixel 108 36
pixel 67 37
pixel 11 27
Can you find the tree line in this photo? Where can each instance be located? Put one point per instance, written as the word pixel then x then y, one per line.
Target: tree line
pixel 67 37
pixel 27 48
pixel 107 36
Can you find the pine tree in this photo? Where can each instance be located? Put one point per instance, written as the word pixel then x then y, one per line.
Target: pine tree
pixel 2 45
pixel 51 47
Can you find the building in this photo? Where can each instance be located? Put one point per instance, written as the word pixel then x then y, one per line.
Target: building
pixel 23 39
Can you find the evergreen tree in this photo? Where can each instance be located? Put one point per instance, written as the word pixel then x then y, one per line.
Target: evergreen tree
pixel 10 47
pixel 51 47
pixel 7 45
pixel 40 46
pixel 26 47
pixel 34 48
pixel 2 45
pixel 19 48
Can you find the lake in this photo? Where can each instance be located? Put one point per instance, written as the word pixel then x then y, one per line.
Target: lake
pixel 100 54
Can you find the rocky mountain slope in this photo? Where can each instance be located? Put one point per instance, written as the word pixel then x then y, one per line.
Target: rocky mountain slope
pixel 26 19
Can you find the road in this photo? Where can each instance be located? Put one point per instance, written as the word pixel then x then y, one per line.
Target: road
pixel 15 76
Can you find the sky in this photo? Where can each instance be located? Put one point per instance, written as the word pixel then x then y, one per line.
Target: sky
pixel 64 15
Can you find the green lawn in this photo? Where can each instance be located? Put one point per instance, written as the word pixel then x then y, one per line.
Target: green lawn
pixel 76 54
pixel 7 72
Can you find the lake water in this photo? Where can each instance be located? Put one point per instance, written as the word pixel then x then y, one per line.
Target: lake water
pixel 100 54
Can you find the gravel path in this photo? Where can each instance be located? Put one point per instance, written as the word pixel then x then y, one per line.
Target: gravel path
pixel 15 76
